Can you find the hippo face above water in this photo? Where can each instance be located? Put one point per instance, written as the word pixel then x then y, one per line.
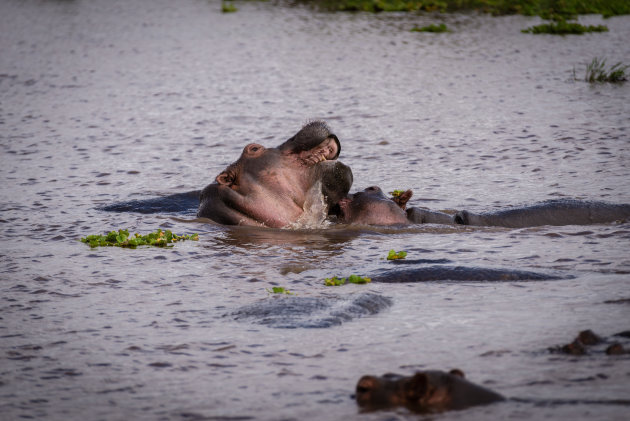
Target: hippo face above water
pixel 424 392
pixel 270 186
pixel 372 207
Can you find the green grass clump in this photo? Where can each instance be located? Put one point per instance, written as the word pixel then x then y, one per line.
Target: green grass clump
pixel 352 279
pixel 121 238
pixel 562 27
pixel 429 28
pixel 596 72
pixel 228 7
pixel 393 255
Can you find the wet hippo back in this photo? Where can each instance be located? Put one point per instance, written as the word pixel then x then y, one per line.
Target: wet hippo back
pixel 553 212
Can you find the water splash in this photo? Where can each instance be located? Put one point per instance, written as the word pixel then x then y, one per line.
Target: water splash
pixel 315 210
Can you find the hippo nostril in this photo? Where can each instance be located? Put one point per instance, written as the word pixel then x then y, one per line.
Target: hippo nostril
pixel 362 389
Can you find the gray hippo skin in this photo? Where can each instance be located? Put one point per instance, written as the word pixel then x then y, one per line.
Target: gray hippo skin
pixel 372 207
pixel 424 392
pixel 270 186
pixel 551 212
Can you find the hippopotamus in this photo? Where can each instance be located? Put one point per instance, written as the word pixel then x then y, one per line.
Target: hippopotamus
pixel 424 392
pixel 588 339
pixel 372 207
pixel 272 187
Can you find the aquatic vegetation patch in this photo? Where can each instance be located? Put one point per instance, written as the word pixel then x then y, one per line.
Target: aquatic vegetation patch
pixel 279 290
pixel 562 27
pixel 394 255
pixel 596 71
pixel 122 238
pixel 606 8
pixel 352 279
pixel 429 28
pixel 227 7
pixel 396 193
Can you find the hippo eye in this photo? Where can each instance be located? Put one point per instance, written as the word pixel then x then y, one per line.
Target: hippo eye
pixel 254 149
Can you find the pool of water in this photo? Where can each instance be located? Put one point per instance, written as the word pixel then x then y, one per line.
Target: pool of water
pixel 107 101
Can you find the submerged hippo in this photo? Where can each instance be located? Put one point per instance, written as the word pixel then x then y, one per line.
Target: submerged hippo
pixel 372 207
pixel 272 186
pixel 425 391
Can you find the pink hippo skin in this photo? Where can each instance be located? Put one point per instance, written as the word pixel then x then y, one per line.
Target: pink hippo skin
pixel 270 186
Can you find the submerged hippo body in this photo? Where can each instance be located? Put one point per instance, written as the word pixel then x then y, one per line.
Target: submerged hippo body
pixel 271 186
pixel 372 207
pixel 551 212
pixel 424 392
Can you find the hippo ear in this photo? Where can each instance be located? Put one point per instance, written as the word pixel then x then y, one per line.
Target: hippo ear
pixel 225 178
pixel 417 387
pixel 402 199
pixel 457 372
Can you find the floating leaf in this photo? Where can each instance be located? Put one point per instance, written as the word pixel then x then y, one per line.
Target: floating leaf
pixel 356 279
pixel 393 255
pixel 279 290
pixel 334 281
pixel 353 279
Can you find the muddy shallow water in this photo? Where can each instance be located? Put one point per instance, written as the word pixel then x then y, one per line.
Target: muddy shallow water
pixel 106 101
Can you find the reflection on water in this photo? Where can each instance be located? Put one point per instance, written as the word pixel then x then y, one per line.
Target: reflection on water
pixel 103 102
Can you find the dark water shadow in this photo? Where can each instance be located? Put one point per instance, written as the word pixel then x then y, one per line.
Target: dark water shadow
pixel 179 203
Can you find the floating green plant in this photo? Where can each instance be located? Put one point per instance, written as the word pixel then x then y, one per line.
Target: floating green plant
pixel 356 279
pixel 352 279
pixel 334 281
pixel 279 290
pixel 596 72
pixel 122 238
pixel 393 255
pixel 562 27
pixel 396 193
pixel 228 7
pixel 431 28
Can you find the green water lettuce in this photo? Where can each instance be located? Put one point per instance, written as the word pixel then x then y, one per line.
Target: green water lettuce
pixel 122 238
pixel 393 255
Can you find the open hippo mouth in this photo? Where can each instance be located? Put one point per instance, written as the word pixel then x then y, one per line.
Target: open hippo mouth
pixel 270 186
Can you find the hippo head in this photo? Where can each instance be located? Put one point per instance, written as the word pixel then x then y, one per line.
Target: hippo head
pixel 372 207
pixel 424 392
pixel 270 186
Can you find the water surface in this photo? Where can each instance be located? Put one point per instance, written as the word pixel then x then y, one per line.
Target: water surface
pixel 106 101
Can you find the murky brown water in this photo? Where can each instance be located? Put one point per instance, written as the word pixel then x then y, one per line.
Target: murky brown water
pixel 105 101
